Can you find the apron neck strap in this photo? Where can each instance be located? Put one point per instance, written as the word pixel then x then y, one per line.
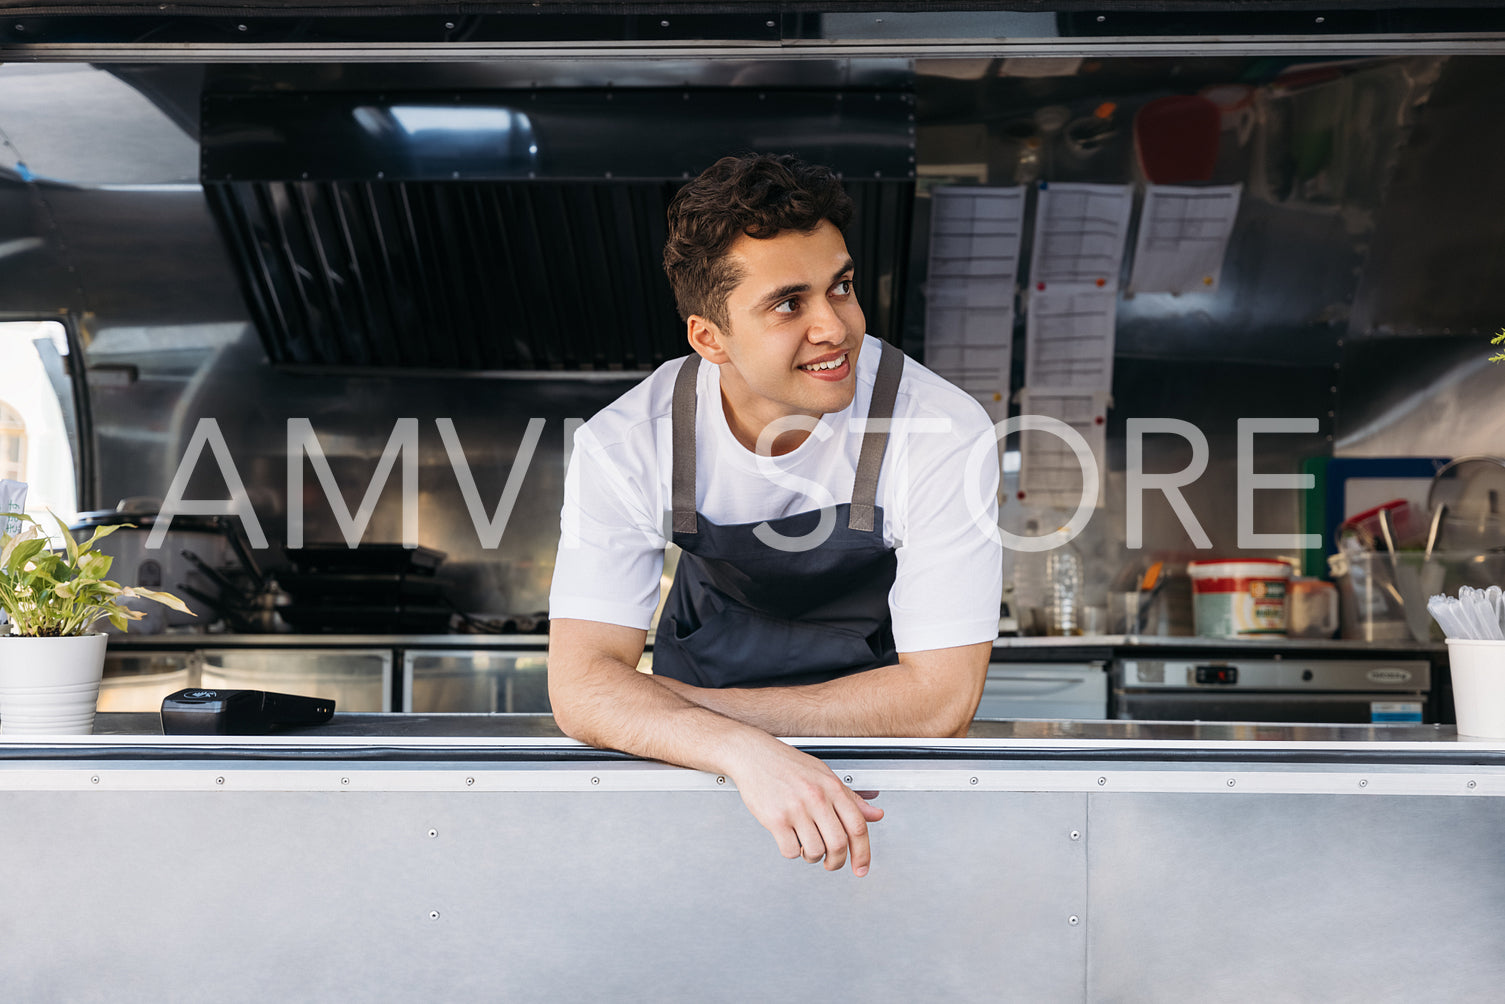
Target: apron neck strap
pixel 683 422
pixel 869 461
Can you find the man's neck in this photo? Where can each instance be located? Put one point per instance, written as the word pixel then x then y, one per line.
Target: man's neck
pixel 747 426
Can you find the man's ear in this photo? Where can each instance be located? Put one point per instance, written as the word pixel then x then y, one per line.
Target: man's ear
pixel 705 338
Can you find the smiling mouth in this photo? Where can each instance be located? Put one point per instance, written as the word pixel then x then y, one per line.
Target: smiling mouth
pixel 829 364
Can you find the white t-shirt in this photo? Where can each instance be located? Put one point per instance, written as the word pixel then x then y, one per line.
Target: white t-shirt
pixel 938 492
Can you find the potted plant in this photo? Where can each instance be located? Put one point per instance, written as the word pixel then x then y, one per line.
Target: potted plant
pixel 52 660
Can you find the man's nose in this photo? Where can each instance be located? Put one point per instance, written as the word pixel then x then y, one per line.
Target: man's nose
pixel 825 324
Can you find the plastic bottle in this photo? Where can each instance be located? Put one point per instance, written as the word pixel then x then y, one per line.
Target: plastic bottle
pixel 1029 585
pixel 1064 585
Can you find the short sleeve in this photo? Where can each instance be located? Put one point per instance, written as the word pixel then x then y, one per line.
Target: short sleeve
pixel 611 545
pixel 949 580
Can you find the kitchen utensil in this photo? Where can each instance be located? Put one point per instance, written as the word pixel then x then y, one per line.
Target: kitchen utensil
pixel 1467 501
pixel 1474 613
pixel 368 618
pixel 135 564
pixel 337 558
pixel 1149 587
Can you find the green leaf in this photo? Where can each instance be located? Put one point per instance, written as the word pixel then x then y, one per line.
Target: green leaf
pixel 24 552
pixel 67 538
pixel 13 541
pixel 166 599
pixel 101 532
pixel 95 566
pixel 118 619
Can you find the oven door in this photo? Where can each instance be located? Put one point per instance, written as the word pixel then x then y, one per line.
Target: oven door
pixel 1256 706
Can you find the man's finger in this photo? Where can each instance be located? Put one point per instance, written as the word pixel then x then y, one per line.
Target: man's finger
pixel 812 847
pixel 833 831
pixel 789 844
pixel 869 812
pixel 854 818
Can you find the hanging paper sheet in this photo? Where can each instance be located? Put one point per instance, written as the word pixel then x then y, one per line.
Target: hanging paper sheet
pixel 969 311
pixel 1079 234
pixel 1183 237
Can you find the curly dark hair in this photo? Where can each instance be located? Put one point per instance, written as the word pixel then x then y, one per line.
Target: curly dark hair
pixel 760 195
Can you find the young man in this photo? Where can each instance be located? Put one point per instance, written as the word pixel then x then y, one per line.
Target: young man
pixel 831 582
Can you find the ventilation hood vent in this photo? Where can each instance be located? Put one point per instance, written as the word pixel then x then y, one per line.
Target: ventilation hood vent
pixel 514 232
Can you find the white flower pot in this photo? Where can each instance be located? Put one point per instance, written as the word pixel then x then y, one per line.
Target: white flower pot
pixel 49 686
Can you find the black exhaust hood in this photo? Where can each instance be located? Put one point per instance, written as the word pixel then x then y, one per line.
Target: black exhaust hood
pixel 514 230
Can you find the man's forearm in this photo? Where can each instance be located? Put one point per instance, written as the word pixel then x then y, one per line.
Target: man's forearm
pixel 894 700
pixel 628 711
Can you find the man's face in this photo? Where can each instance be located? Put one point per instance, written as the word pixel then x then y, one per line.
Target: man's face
pixel 794 329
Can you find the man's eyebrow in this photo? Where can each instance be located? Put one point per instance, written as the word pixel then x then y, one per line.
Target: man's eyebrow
pixel 785 292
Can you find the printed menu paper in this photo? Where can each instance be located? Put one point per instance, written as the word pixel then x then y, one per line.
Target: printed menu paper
pixel 1183 237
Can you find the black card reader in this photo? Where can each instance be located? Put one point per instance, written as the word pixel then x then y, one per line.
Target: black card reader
pixel 239 712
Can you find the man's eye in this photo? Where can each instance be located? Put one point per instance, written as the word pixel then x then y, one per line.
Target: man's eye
pixel 787 306
pixel 843 288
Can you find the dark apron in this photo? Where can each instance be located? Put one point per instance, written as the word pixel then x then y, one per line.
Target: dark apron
pixel 744 614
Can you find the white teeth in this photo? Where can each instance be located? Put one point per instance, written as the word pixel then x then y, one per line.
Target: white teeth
pixel 831 365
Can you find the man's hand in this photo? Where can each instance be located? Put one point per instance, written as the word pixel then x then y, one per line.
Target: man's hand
pixel 810 813
pixel 599 698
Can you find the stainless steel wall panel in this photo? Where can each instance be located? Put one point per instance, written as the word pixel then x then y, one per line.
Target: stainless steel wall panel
pixel 1293 897
pixel 666 896
pixel 1420 396
pixel 1434 264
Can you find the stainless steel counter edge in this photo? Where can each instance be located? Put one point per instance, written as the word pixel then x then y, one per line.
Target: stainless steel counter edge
pixel 482 732
pixel 158 642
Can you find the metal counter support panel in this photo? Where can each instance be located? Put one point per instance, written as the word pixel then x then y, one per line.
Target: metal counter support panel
pixel 1296 898
pixel 529 896
pixel 1018 879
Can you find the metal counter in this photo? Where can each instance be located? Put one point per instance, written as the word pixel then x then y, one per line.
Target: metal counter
pixel 486 857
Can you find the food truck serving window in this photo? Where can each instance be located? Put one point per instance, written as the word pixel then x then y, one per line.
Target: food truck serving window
pixel 38 432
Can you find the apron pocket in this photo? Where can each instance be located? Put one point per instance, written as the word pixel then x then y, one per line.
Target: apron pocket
pixel 738 647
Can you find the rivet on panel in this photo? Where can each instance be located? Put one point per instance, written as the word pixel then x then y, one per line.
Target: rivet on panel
pixel 470 780
pixel 1102 780
pixel 1073 920
pixel 219 780
pixel 433 833
pixel 94 779
pixel 1076 834
pixel 972 780
pixel 433 915
pixel 847 779
pixel 721 780
pixel 595 780
pixel 1363 782
pixel 1473 784
pixel 344 780
pixel 1231 782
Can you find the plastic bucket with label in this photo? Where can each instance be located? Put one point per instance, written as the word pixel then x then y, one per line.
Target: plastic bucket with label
pixel 1244 598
